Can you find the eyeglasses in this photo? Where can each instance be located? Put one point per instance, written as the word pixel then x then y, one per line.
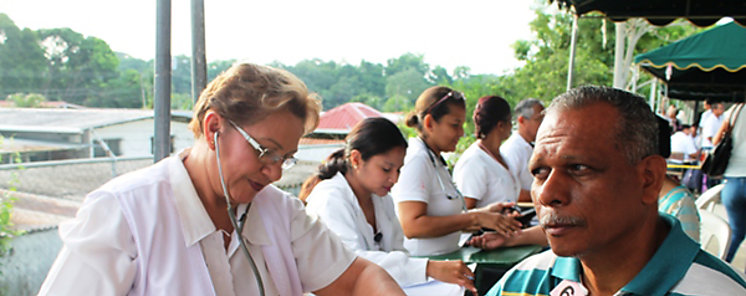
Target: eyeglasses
pixel 266 155
pixel 451 94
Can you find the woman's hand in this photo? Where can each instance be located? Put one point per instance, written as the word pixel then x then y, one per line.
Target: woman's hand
pixel 455 272
pixel 503 224
pixel 488 241
pixel 498 207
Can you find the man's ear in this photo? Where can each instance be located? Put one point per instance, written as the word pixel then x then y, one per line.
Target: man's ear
pixel 212 123
pixel 520 119
pixel 652 170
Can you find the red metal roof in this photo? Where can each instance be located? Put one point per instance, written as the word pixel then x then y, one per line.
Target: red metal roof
pixel 342 118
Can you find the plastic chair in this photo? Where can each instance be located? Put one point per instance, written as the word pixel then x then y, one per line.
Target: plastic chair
pixel 713 227
pixel 707 200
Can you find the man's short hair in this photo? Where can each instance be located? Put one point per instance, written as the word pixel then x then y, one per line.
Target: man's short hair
pixel 637 128
pixel 525 108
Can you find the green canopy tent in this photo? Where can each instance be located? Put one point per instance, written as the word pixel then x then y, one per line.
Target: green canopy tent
pixel 662 12
pixel 707 65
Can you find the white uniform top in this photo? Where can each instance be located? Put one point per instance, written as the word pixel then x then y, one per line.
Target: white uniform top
pixel 478 175
pixel 704 117
pixel 334 202
pixel 737 163
pixel 147 233
pixel 683 143
pixel 517 152
pixel 418 182
pixel 710 129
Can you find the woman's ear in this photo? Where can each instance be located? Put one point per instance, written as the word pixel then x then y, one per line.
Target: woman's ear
pixel 212 123
pixel 427 122
pixel 355 159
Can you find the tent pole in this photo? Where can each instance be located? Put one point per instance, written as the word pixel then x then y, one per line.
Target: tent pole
pixel 653 85
pixel 621 27
pixel 573 45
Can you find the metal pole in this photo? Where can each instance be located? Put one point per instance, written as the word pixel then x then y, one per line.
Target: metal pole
pixel 619 80
pixel 573 45
pixel 199 64
pixel 162 98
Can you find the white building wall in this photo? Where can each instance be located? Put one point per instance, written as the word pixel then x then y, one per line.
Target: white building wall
pixel 316 153
pixel 136 136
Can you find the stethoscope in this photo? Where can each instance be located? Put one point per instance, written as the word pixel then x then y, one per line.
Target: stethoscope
pixel 460 196
pixel 236 226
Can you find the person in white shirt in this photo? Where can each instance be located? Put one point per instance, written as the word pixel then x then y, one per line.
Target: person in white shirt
pixel 712 125
pixel 683 149
pixel 171 228
pixel 707 105
pixel 431 211
pixel 352 200
pixel 518 148
pixel 482 173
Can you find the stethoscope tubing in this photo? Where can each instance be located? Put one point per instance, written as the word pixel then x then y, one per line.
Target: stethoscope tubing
pixel 236 226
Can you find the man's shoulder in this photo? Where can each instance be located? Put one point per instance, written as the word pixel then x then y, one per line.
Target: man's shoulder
pixel 709 275
pixel 532 275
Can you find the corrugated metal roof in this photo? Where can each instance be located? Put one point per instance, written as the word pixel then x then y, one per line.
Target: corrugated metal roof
pixel 342 118
pixel 69 119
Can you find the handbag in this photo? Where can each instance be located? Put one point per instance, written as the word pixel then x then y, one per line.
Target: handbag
pixel 716 159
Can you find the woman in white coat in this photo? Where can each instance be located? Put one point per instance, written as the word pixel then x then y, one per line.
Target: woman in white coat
pixel 482 173
pixel 432 212
pixel 351 198
pixel 171 228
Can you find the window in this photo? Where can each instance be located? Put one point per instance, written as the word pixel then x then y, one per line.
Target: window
pixel 113 145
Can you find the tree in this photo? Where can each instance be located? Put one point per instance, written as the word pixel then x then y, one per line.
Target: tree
pixel 406 62
pixel 21 59
pixel 408 83
pixel 77 66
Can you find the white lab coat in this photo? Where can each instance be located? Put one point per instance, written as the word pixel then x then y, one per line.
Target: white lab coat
pixel 334 202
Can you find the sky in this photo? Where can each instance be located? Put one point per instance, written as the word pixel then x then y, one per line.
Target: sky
pixel 473 33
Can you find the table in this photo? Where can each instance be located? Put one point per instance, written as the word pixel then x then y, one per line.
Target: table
pixel 491 265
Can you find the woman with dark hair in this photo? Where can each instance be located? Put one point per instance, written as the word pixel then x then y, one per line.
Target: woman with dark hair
pixel 352 200
pixel 481 173
pixel 431 210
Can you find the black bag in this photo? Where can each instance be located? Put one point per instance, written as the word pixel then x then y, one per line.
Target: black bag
pixel 716 160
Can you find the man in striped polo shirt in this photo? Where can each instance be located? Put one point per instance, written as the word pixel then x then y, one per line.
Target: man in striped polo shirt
pixel 597 175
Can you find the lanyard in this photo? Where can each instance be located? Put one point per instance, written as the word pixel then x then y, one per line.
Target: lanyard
pixel 460 196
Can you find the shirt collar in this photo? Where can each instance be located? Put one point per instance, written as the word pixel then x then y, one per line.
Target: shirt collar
pixel 672 259
pixel 195 222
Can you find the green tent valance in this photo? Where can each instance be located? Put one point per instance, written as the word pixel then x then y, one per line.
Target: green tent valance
pixel 710 64
pixel 662 12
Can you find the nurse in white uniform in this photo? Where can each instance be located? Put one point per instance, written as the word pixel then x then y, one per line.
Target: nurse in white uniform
pixel 482 173
pixel 431 210
pixel 172 228
pixel 352 200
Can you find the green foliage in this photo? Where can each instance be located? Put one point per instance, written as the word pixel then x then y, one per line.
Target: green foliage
pixel 64 65
pixel 7 233
pixel 27 100
pixel 21 59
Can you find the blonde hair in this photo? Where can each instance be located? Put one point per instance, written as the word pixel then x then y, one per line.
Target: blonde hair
pixel 247 93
